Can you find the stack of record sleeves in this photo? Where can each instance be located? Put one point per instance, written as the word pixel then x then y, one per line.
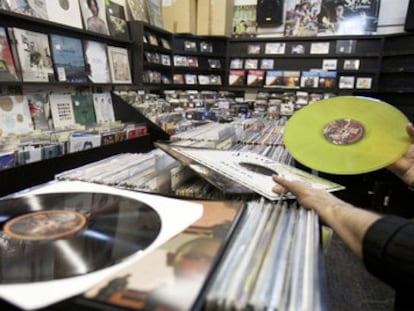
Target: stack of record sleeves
pixel 272 263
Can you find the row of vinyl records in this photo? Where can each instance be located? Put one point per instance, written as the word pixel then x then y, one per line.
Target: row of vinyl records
pixel 25 150
pixel 295 79
pixel 157 77
pixel 100 16
pixel 39 57
pixel 35 127
pixel 273 259
pixel 158 172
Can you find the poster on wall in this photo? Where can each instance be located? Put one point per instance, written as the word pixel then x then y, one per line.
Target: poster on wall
pixel 244 20
pixel 301 18
pixel 350 17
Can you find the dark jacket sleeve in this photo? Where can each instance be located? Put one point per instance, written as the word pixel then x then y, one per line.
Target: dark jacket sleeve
pixel 388 252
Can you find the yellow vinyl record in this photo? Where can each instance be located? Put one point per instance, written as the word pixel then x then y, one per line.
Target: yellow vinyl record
pixel 347 135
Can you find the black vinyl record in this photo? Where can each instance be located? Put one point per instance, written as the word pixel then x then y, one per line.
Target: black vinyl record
pixel 52 236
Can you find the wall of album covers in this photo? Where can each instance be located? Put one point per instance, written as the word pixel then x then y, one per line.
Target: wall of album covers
pixel 317 18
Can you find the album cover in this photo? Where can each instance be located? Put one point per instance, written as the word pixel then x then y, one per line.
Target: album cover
pixel 251 63
pixel 275 48
pixel 119 65
pixel 118 26
pixel 154 13
pixel 309 79
pixel 152 39
pixel 62 110
pixel 29 155
pixel 348 17
pixel 214 63
pixel 183 265
pixel 346 82
pixel 39 108
pixel 287 109
pixel 83 109
pixel 192 61
pixel 351 64
pixel 329 64
pixel 165 44
pixel 68 59
pixel 165 79
pixel 236 63
pixel 253 49
pixel 291 78
pixel 204 79
pixel 364 83
pixel 137 131
pixel 94 16
pixel 206 47
pixel 33 53
pixel 237 77
pixel 7 160
pixel 4 5
pixel 327 79
pixel 274 78
pixel 190 78
pixel 83 141
pixel 165 60
pixel 345 46
pixel 178 78
pixel 301 19
pixel 15 116
pixel 112 137
pixel 319 48
pixel 52 150
pixel 190 46
pixel 64 12
pixel 34 8
pixel 137 10
pixel 244 20
pixel 96 61
pixel 255 77
pixel 152 57
pixel 104 110
pixel 180 61
pixel 7 68
pixel 267 63
pixel 302 98
pixel 297 49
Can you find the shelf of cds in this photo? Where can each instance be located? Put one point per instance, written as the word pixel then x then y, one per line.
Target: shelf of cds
pixel 199 61
pixel 327 64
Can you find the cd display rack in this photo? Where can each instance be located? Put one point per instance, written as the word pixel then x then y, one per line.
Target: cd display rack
pixel 328 64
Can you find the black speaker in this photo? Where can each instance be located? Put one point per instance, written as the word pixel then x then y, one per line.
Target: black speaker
pixel 409 18
pixel 269 13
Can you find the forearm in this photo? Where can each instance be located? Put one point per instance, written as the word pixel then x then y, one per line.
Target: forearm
pixel 349 223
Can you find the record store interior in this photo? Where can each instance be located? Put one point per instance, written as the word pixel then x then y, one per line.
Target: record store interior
pixel 173 155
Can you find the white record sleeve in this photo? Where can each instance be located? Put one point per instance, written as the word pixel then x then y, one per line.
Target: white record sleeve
pixel 119 65
pixel 253 171
pixel 37 295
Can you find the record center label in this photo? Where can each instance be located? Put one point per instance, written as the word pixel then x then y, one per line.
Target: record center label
pixel 45 225
pixel 344 131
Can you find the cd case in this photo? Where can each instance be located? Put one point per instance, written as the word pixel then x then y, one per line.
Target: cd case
pixel 242 172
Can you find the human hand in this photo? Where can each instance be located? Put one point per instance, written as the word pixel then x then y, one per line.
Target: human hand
pixel 307 196
pixel 404 166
